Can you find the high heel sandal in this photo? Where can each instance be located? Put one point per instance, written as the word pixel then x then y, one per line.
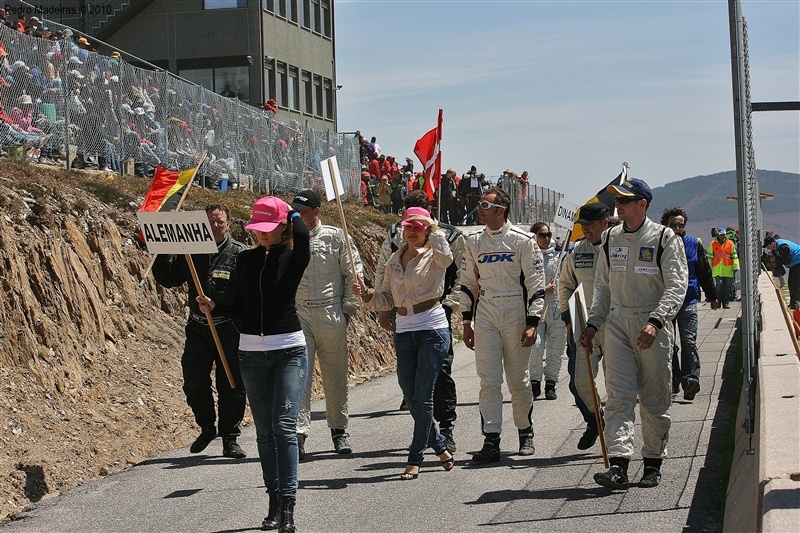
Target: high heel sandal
pixel 408 475
pixel 448 463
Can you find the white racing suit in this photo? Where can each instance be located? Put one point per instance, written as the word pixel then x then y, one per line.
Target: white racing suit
pixel 324 296
pixel 551 335
pixel 502 289
pixel 641 278
pixel 579 267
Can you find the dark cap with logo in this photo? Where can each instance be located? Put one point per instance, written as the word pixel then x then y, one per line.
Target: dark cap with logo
pixel 589 213
pixel 305 199
pixel 769 239
pixel 632 187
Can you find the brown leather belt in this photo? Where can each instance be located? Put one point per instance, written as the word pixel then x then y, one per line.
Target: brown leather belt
pixel 420 307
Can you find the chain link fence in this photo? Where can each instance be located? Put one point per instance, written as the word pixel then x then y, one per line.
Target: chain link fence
pixel 749 207
pixel 60 101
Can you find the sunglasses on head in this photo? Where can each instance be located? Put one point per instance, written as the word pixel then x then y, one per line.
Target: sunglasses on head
pixel 485 204
pixel 624 200
pixel 544 235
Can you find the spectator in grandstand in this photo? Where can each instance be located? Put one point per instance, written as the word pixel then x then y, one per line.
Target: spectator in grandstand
pixel 385 194
pixel 227 91
pixel 469 193
pixel 4 17
pixel 409 166
pixel 375 146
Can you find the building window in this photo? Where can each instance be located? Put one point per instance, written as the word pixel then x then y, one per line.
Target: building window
pixel 215 79
pixel 201 76
pixel 269 79
pixel 316 24
pixel 308 93
pixel 326 18
pixel 268 5
pixel 288 9
pixel 223 4
pixel 318 107
pixel 304 13
pixel 294 89
pixel 236 78
pixel 328 90
pixel 282 85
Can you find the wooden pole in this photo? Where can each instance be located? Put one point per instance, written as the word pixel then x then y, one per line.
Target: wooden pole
pixel 346 235
pixel 787 315
pixel 211 325
pixel 589 370
pixel 177 208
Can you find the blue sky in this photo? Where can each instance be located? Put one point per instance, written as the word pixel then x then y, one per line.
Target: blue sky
pixel 567 90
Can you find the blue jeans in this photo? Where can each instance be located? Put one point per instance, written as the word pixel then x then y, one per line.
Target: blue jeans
pixel 274 381
pixel 688 367
pixel 419 360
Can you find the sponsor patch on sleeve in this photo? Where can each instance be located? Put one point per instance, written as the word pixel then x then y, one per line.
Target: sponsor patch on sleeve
pixel 220 274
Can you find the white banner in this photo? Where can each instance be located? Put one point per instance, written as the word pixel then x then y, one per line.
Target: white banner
pixel 565 214
pixel 183 232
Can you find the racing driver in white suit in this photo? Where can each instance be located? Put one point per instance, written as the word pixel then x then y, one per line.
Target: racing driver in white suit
pixel 639 288
pixel 502 290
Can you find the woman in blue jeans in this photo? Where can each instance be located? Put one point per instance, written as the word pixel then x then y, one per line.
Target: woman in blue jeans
pixel 272 347
pixel 413 282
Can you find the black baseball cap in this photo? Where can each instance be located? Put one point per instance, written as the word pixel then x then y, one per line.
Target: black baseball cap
pixel 589 213
pixel 305 199
pixel 769 239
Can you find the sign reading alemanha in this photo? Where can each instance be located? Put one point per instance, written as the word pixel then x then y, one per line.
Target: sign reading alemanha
pixel 183 232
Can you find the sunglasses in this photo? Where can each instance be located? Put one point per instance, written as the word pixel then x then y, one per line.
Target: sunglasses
pixel 543 235
pixel 677 225
pixel 625 200
pixel 485 204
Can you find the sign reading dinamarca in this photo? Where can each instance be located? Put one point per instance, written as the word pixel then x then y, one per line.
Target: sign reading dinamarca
pixel 183 232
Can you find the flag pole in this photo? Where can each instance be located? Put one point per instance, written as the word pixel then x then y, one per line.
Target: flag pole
pixel 346 234
pixel 177 208
pixel 598 420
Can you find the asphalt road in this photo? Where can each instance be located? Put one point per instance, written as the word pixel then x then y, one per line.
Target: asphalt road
pixel 552 490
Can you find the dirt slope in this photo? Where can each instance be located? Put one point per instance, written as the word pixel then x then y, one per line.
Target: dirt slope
pixel 90 359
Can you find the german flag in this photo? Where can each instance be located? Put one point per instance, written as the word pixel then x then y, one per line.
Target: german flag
pixel 166 191
pixel 603 196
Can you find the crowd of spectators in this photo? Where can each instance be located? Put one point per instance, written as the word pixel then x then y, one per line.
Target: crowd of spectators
pixel 56 90
pixel 385 183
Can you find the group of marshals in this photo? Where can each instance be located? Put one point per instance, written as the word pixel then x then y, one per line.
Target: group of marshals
pixel 634 278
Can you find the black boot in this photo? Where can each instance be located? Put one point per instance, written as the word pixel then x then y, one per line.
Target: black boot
pixel 550 389
pixel 536 387
pixel 490 452
pixel 301 446
pixel 286 517
pixel 340 442
pixel 526 441
pixel 271 520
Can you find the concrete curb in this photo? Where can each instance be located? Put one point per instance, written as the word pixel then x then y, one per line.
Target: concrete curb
pixel 764 490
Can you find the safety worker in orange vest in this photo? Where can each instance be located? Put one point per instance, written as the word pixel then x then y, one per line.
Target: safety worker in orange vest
pixel 724 263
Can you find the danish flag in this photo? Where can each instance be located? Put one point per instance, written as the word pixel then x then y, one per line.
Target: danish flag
pixel 428 150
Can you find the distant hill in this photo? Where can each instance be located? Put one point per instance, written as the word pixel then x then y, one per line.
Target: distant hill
pixel 705 201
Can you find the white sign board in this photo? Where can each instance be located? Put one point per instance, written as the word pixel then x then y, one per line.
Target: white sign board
pixel 565 214
pixel 182 232
pixel 328 177
pixel 573 312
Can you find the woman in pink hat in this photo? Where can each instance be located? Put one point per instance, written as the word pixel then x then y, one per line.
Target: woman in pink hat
pixel 413 282
pixel 272 347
